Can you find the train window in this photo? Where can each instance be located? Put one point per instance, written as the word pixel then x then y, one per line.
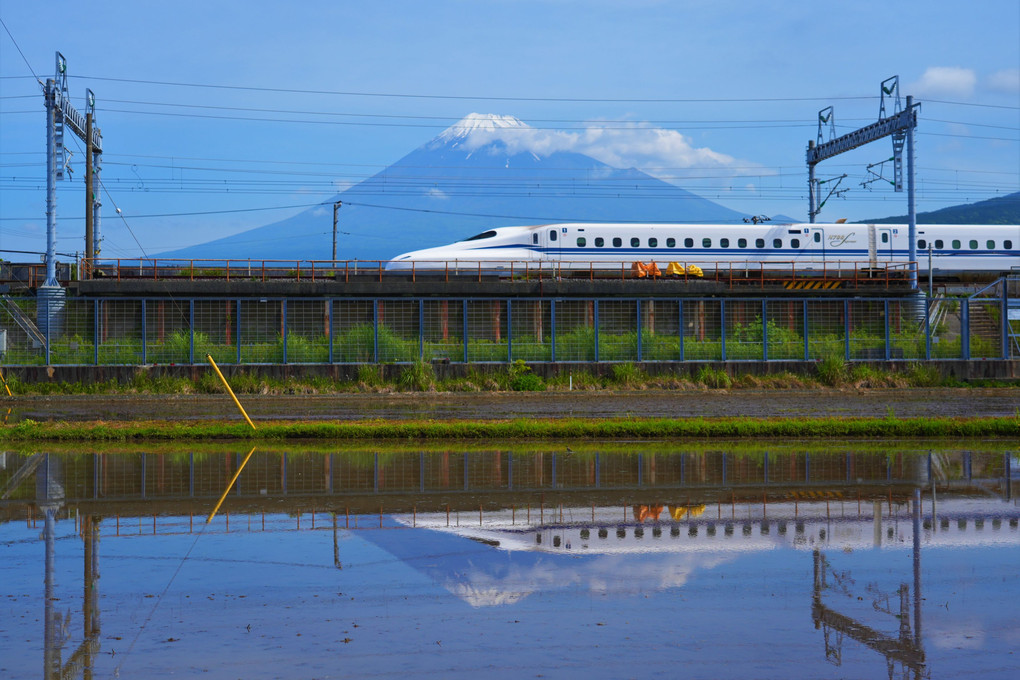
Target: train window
pixel 777 243
pixel 484 234
pixel 956 243
pixel 741 242
pixel 706 243
pixel 795 243
pixel 671 243
pixel 552 235
pixel 973 244
pixel 759 243
pixel 938 243
pixel 688 243
pixel 1008 245
pixel 581 242
pixel 922 244
pixel 724 243
pixel 818 237
pixel 653 243
pixel 617 242
pixel 599 242
pixel 990 244
pixel 635 242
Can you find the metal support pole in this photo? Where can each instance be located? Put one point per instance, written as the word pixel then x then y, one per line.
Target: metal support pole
pixel 191 331
pixel 375 331
pixel 421 330
pixel 811 186
pixel 336 208
pixel 51 183
pixel 764 332
pixel 596 322
pixel 1004 318
pixel 911 211
pixel 89 192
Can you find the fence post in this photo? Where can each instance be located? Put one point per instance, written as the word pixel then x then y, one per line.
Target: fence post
pixel 375 331
pixel 464 327
pixel 283 314
pixel 637 304
pixel 143 332
pixel 1004 317
pixel 965 328
pixel 552 323
pixel 421 330
pixel 885 316
pixel 237 331
pixel 846 329
pixel 191 331
pixel 804 328
pixel 95 332
pixel 722 327
pixel 595 321
pixel 927 329
pixel 509 332
pixel 680 325
pixel 764 331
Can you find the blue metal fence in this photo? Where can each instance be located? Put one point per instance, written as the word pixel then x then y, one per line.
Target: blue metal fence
pixel 127 331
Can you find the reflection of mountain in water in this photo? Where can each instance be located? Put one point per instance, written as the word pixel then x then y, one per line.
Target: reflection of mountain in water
pixel 484 575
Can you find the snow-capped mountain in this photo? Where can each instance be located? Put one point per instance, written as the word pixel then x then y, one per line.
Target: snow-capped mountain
pixel 484 171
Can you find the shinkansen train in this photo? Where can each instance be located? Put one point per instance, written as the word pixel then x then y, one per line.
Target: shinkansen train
pixel 955 250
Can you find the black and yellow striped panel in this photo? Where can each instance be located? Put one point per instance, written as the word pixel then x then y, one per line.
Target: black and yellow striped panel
pixel 812 285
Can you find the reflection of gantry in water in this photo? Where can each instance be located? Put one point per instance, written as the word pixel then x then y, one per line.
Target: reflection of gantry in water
pixel 903 649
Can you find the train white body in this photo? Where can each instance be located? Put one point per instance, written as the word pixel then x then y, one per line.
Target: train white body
pixel 954 249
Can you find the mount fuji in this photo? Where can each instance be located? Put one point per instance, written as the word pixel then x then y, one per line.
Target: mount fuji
pixel 485 171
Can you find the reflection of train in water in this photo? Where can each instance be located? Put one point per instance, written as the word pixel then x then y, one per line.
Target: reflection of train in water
pixel 956 250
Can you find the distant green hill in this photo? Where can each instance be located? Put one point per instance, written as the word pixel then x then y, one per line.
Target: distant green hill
pixel 1000 210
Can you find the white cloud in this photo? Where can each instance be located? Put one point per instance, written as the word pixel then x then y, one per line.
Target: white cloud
pixel 1006 80
pixel 951 81
pixel 637 145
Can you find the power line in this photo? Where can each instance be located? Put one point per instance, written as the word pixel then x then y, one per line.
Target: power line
pixel 18 47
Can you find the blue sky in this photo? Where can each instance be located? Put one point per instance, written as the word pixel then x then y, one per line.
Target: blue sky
pixel 720 97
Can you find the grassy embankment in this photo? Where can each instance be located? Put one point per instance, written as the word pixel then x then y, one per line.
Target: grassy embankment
pixel 523 429
pixel 830 372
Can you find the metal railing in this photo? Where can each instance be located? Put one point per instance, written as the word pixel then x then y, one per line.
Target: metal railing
pixel 848 273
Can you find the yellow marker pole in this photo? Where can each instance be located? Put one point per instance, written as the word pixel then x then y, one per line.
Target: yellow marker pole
pixel 232 480
pixel 227 385
pixel 6 387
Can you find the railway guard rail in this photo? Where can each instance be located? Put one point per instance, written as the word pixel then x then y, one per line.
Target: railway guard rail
pixel 253 331
pixel 845 273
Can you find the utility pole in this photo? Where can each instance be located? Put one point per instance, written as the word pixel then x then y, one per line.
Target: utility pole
pixel 336 209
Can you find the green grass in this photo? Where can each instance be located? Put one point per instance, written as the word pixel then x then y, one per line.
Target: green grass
pixel 648 428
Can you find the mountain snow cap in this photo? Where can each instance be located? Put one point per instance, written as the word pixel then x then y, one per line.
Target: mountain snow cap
pixel 476 122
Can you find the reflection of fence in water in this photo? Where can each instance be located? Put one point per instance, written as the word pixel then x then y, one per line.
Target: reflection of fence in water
pixel 791 476
pixel 278 331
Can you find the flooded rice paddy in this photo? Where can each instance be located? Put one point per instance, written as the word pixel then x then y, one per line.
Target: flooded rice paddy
pixel 560 561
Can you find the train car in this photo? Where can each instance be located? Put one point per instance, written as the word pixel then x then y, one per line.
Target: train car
pixel 955 250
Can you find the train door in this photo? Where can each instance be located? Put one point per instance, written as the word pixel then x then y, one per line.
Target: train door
pixel 884 246
pixel 551 242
